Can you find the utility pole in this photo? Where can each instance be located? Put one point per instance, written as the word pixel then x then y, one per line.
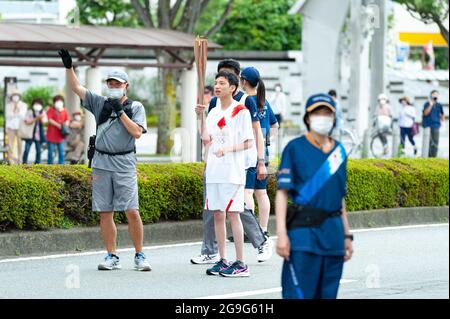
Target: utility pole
pixel 355 58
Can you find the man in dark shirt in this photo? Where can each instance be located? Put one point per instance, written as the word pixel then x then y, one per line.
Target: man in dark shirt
pixel 433 117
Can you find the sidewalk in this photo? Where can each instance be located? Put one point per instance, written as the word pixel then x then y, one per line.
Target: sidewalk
pixel 19 243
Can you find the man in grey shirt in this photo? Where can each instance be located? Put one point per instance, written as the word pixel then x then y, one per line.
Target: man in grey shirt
pixel 120 122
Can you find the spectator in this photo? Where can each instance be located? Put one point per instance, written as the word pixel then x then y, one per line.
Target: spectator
pixel 208 94
pixel 433 117
pixel 57 118
pixel 15 113
pixel 75 141
pixel 37 117
pixel 278 103
pixel 406 119
pixel 384 120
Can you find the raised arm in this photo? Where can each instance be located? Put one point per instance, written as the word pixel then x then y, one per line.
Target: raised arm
pixel 427 110
pixel 74 84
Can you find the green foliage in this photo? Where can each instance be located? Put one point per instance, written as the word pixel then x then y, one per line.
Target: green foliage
pixel 260 25
pixel 43 196
pixel 426 9
pixel 429 11
pixel 374 184
pixel 28 201
pixel 440 53
pixel 441 58
pixel 45 93
pixel 252 24
pixel 107 12
pixel 152 120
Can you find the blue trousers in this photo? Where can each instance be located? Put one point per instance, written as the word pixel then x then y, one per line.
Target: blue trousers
pixel 404 132
pixel 310 276
pixel 28 144
pixel 60 147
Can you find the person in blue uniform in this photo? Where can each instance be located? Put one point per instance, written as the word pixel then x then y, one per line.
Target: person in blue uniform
pixel 313 232
pixel 253 85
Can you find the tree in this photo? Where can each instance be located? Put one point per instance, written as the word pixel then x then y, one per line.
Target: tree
pixel 429 11
pixel 180 15
pixel 261 25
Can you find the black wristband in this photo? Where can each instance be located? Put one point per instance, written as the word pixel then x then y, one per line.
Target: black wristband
pixel 349 236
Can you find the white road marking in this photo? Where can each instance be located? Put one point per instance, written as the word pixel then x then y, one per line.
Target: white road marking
pixel 364 230
pixel 257 292
pixel 90 253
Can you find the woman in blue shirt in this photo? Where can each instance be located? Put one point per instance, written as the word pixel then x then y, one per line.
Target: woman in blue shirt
pixel 313 233
pixel 253 85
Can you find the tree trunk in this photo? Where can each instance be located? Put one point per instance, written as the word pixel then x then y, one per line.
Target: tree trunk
pixel 167 114
pixel 443 29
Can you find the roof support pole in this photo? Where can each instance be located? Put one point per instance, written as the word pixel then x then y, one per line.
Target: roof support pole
pixel 189 137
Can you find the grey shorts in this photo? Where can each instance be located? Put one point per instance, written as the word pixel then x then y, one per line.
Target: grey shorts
pixel 114 191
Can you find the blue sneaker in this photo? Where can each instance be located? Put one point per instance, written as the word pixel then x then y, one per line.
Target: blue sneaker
pixel 141 263
pixel 237 269
pixel 111 262
pixel 222 264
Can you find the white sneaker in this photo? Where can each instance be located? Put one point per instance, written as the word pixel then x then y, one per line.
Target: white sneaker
pixel 265 251
pixel 205 259
pixel 111 262
pixel 141 263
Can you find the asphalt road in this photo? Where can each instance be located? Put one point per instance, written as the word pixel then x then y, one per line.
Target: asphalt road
pixel 401 262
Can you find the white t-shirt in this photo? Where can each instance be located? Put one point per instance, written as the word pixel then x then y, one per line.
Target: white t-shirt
pixel 229 127
pixel 406 116
pixel 14 114
pixel 251 155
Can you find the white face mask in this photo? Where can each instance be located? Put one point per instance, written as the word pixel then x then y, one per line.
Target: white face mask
pixel 277 89
pixel 321 124
pixel 59 105
pixel 37 107
pixel 77 118
pixel 16 98
pixel 114 93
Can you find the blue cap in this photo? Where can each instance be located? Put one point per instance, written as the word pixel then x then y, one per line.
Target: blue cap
pixel 320 99
pixel 251 74
pixel 118 75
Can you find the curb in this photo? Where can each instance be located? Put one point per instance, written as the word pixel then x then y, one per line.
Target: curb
pixel 18 243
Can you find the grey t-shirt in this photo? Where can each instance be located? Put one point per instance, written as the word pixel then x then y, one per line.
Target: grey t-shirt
pixel 113 137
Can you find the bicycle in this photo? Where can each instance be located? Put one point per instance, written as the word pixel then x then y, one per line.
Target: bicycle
pixel 349 139
pixel 381 142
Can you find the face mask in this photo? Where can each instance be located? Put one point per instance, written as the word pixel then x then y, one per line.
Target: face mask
pixel 37 107
pixel 113 93
pixel 321 124
pixel 383 102
pixel 77 118
pixel 277 89
pixel 435 99
pixel 16 98
pixel 59 105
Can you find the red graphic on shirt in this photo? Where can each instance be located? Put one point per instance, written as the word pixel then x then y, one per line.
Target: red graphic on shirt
pixel 222 123
pixel 237 109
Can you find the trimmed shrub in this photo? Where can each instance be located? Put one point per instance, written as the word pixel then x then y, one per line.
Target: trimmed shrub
pixel 374 184
pixel 27 200
pixel 45 196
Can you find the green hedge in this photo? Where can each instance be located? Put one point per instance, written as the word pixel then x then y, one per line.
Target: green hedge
pixel 43 196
